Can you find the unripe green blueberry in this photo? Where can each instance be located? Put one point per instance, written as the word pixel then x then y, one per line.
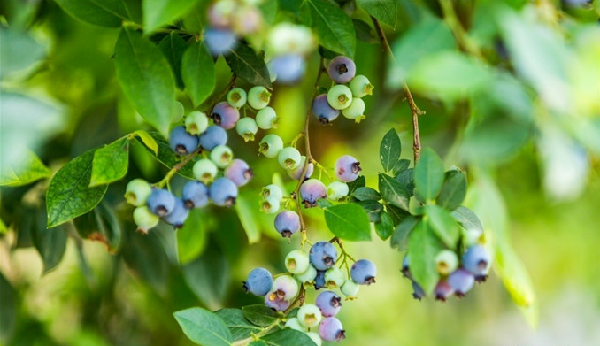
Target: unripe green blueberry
pixel 356 111
pixel 309 315
pixel 315 338
pixel 237 97
pixel 271 205
pixel 247 128
pixel 144 218
pixel 308 275
pixel 137 192
pixel 270 146
pixel 446 262
pixel 339 97
pixel 266 118
pixel 296 262
pixel 334 277
pixel 272 190
pixel 471 236
pixel 196 123
pixel 289 158
pixel 350 289
pixel 337 190
pixel 294 324
pixel 221 156
pixel 259 97
pixel 360 86
pixel 205 170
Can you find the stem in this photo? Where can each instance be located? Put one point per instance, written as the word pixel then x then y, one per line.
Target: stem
pixel 414 109
pixel 255 337
pixel 459 32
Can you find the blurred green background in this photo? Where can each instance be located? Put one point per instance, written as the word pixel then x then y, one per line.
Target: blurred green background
pixel 123 289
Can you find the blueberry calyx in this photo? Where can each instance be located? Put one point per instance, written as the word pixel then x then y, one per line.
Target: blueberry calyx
pixel 340 335
pixel 355 167
pixel 216 117
pixel 342 68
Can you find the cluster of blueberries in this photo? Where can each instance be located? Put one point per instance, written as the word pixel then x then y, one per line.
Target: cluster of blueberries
pixel 456 279
pixel 318 269
pixel 288 45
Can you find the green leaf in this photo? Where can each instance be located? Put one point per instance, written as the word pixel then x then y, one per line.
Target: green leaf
pixel 348 222
pixel 148 140
pixel 443 224
pixel 146 78
pixel 198 72
pixel 384 10
pixel 50 244
pixel 8 310
pixel 203 327
pixel 401 166
pixel 406 179
pixel 514 275
pixel 31 169
pixel 287 337
pixel 402 233
pixel 269 10
pixel 160 12
pixel 68 194
pixel 385 227
pixel 3 227
pixel 191 237
pixel 259 315
pixel 19 52
pixel 247 65
pixel 238 325
pixel 366 194
pixel 429 174
pixel 173 47
pixel 467 218
pixel 258 343
pixel 207 276
pixel 168 158
pixel 422 248
pixel 109 226
pixel 373 210
pixel 110 163
pixel 393 191
pixel 145 256
pixel 390 150
pixel 107 13
pixel 453 191
pixel 397 214
pixel 353 185
pixel 246 211
pixel 335 28
pixel 364 32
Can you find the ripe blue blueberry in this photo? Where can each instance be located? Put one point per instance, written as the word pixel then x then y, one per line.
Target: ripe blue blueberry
pixel 363 272
pixel 443 290
pixel 289 158
pixel 224 115
pixel 341 69
pixel 205 170
pixel 161 202
pixel 406 268
pixel 337 190
pixel 237 97
pixel 275 302
pixel 270 146
pixel 360 86
pixel 323 256
pixel 323 111
pixel 329 303
pixel 311 190
pixel 196 123
pixel 219 41
pixel 320 280
pixel 334 277
pixel 285 287
pixel 461 281
pixel 194 194
pixel 213 137
pixel 418 291
pixel 179 214
pixel 296 262
pixel 137 192
pixel 356 110
pixel 297 172
pixel 239 172
pixel 307 276
pixel 347 168
pixel 350 289
pixel 288 68
pixel 259 282
pixel 182 142
pixel 223 192
pixel 287 223
pixel 330 329
pixel 221 156
pixel 476 260
pixel 446 262
pixel 247 128
pixel 339 97
pixel 144 219
pixel 309 315
pixel 266 118
pixel 259 97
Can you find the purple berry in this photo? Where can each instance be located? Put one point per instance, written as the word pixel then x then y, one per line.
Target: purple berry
pixel 219 41
pixel 179 214
pixel 329 303
pixel 288 68
pixel 239 172
pixel 224 115
pixel 213 137
pixel 287 223
pixel 194 194
pixel 311 190
pixel 341 69
pixel 347 168
pixel 323 111
pixel 161 202
pixel 182 142
pixel 476 260
pixel 461 281
pixel 223 192
pixel 296 173
pixel 443 290
pixel 320 280
pixel 418 291
pixel 259 282
pixel 285 287
pixel 330 329
pixel 276 303
pixel 363 272
pixel 323 256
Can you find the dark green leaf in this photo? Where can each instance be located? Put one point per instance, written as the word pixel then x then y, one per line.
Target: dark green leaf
pixel 68 194
pixel 259 315
pixel 373 210
pixel 207 276
pixel 258 343
pixel 393 192
pixel 108 13
pixel 402 233
pixel 467 218
pixel 429 174
pixel 326 53
pixel 401 166
pixel 198 72
pixel 8 310
pixel 324 203
pixel 359 182
pixel 422 248
pixel 247 65
pixel 384 10
pixel 349 222
pixel 173 47
pixel 390 150
pixel 453 191
pixel 443 224
pixel 160 12
pixel 366 194
pixel 406 179
pixel 168 158
pixel 396 213
pixel 191 237
pixel 335 28
pixel 18 52
pixel 50 244
pixel 145 256
pixel 146 78
pixel 238 325
pixel 30 169
pixel 110 163
pixel 364 32
pixel 108 225
pixel 203 327
pixel 287 337
pixel 385 227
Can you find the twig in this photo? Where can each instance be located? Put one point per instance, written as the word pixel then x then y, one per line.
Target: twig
pixel 459 32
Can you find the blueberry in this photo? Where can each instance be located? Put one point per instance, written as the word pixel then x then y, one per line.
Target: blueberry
pixel 311 190
pixel 297 172
pixel 137 192
pixel 161 202
pixel 341 69
pixel 339 97
pixel 182 142
pixel 360 86
pixel 461 281
pixel 294 324
pixel 273 191
pixel 196 123
pixel 337 190
pixel 329 303
pixel 320 280
pixel 309 315
pixel 213 137
pixel 276 303
pixel 363 272
pixel 472 236
pixel 350 289
pixel 247 20
pixel 476 260
pixel 224 115
pixel 287 223
pixel 270 146
pixel 323 255
pixel 239 172
pixel 271 205
pixel 144 218
pixel 406 268
pixel 296 262
pixel 179 214
pixel 247 128
pixel 289 158
pixel 220 13
pixel 223 192
pixel 237 97
pixel 418 291
pixel 205 170
pixel 266 118
pixel 314 337
pixel 446 262
pixel 221 156
pixel 347 168
pixel 288 68
pixel 323 111
pixel 194 194
pixel 285 287
pixel 443 290
pixel 286 38
pixel 259 97
pixel 259 282
pixel 330 329
pixel 219 41
pixel 308 275
pixel 334 277
pixel 356 110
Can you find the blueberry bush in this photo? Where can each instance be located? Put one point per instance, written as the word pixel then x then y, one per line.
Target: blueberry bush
pixel 181 134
